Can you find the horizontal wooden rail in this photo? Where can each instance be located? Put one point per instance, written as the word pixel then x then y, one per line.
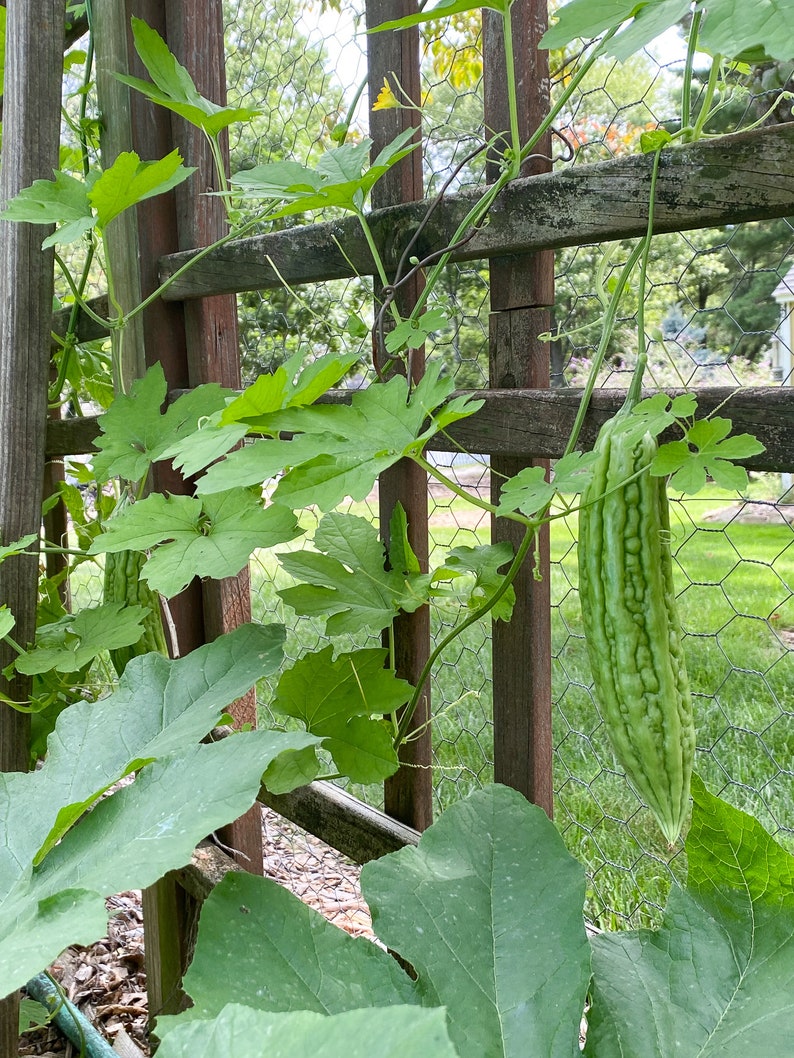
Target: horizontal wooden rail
pixel 536 423
pixel 342 821
pixel 744 177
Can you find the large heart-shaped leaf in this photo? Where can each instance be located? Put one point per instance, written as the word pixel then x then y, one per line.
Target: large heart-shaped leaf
pixel 240 1032
pixel 161 708
pixel 488 911
pixel 717 979
pixel 260 945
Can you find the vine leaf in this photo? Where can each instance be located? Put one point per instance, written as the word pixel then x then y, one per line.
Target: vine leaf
pixel 382 424
pixel 340 449
pixel 715 979
pixel 345 579
pixel 135 432
pixel 654 414
pixel 733 28
pixel 18 546
pixel 160 711
pixel 410 334
pixel 72 643
pixel 257 462
pixel 76 205
pixel 392 1032
pixel 287 388
pixel 173 86
pixel 213 537
pixel 336 699
pixel 443 9
pixel 62 201
pixel 235 953
pixel 478 570
pixel 342 177
pixel 529 492
pixel 203 444
pixel 129 181
pixel 706 451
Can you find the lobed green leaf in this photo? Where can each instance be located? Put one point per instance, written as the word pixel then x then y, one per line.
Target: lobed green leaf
pixel 213 536
pixel 346 581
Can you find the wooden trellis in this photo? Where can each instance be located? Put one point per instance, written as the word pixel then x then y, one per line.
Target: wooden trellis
pixel 192 331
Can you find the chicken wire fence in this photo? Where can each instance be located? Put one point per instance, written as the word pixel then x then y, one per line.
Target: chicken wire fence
pixel 712 319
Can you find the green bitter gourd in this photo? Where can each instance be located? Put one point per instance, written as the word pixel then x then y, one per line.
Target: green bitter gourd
pixel 631 623
pixel 123 583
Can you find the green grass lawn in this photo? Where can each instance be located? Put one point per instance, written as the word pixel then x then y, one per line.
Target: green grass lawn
pixel 735 587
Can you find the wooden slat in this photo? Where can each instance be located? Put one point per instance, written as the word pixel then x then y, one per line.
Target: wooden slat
pixel 33 63
pixel 523 423
pixel 169 913
pixel 744 177
pixel 342 821
pixel 521 293
pixel 195 33
pixel 408 795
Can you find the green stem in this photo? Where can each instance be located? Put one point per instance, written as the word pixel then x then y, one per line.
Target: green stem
pixel 474 616
pixel 640 253
pixel 84 306
pixel 686 92
pixel 483 205
pixel 635 388
pixel 607 330
pixel 514 165
pixel 354 103
pixel 230 236
pixel 711 88
pixel 373 249
pixel 453 486
pixel 570 89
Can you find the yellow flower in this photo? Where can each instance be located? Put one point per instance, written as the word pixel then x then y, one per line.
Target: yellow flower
pixel 386 100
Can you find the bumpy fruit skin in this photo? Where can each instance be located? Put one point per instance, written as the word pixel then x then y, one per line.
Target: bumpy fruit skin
pixel 632 626
pixel 123 583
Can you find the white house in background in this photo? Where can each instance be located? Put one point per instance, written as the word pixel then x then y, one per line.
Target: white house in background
pixel 783 344
pixel 783 340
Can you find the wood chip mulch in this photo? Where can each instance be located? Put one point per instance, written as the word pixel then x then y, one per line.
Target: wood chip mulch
pixel 107 981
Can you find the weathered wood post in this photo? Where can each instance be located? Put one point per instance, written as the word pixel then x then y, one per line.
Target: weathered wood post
pixel 31 133
pixel 522 288
pixel 408 795
pixel 196 342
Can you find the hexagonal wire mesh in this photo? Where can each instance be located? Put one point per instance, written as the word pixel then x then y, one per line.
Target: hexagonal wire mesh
pixel 710 310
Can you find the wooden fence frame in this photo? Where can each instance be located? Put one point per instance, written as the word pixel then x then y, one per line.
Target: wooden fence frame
pixel 192 331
